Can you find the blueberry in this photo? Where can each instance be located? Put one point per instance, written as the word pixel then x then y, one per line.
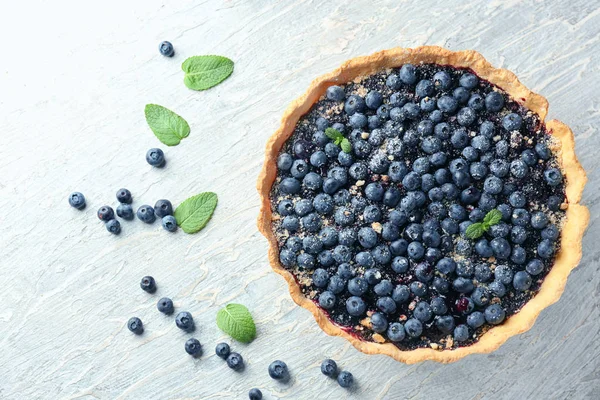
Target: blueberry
pixel 553 176
pixel 355 306
pixel 441 285
pixel 345 271
pixel 497 288
pixel 502 148
pixel 481 296
pixel 125 211
pixel 322 203
pixel 499 168
pixel 476 102
pixel 165 306
pixel 459 139
pixel 550 232
pixel 357 286
pixel 466 116
pixel 519 169
pixel 470 195
pixel 335 93
pixel 494 314
pixel 291 223
pixel 312 181
pixel 408 74
pixel 469 81
pixel 342 253
pixel 113 226
pixel 302 148
pixel 442 80
pixel 539 220
pixel 379 322
pixel 461 95
pixel 424 88
pixel 396 332
pixel 354 104
pixel 400 264
pixel 512 122
pixel 374 191
pixel 463 285
pixel 184 321
pixel 145 214
pixel 222 350
pixel 415 251
pixel 411 110
pixel 287 257
pixel 543 151
pixel 331 185
pixel 289 186
pixel 372 276
pixel 461 333
pixel 503 274
pixel 447 104
pixel 255 394
pixel 284 162
pixel 345 379
pixel 483 248
pixel 166 49
pixel 299 169
pixel 163 208
pixel 428 104
pixel 124 196
pixel 494 101
pixel 425 128
pixel 386 304
pixel 106 213
pixel 413 328
pixel 327 300
pixel 442 130
pixel 445 323
pixel 517 199
pixel 332 150
pixel 325 258
pixel 529 157
pixel 322 123
pixel 475 319
pixel 329 368
pixel 358 171
pixel 235 361
pixel 520 217
pixel 450 226
pixel 535 267
pixel 148 284
pixel 393 82
pixel 373 100
pixel 358 121
pixel 492 185
pixel 135 325
pixel 545 249
pixel 418 288
pixel 501 248
pixel 193 347
pixel 422 311
pixel 446 266
pixel 155 157
pixel 345 159
pixel 393 147
pixel 77 200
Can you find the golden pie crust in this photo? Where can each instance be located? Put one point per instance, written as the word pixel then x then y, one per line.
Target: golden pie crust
pixel 576 219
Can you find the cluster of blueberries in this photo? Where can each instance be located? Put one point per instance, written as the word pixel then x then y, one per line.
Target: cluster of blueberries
pixel 383 228
pixel 162 209
pixel 183 319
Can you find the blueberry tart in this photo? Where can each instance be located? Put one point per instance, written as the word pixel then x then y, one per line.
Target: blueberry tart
pixel 420 206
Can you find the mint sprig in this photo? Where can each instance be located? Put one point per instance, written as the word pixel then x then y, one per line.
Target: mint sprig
pixel 236 321
pixel 338 139
pixel 476 230
pixel 204 72
pixel 168 127
pixel 194 213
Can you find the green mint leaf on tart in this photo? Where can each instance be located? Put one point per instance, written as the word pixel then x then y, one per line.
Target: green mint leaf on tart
pixel 204 72
pixel 492 218
pixel 334 135
pixel 194 213
pixel 168 127
pixel 475 231
pixel 236 321
pixel 346 146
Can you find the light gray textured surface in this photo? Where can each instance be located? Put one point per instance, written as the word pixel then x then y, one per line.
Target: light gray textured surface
pixel 74 79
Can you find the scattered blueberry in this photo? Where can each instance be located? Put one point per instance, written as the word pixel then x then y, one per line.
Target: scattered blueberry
pixel 145 214
pixel 223 350
pixel 165 306
pixel 184 321
pixel 345 379
pixel 255 394
pixel 193 347
pixel 169 223
pixel 77 200
pixel 148 284
pixel 166 49
pixel 163 208
pixel 125 211
pixel 329 368
pixel 278 370
pixel 106 213
pixel 155 157
pixel 135 325
pixel 113 226
pixel 235 361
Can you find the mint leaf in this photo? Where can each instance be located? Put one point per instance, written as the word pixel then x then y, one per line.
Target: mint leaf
pixel 346 146
pixel 168 127
pixel 334 135
pixel 492 218
pixel 475 230
pixel 204 72
pixel 194 213
pixel 236 321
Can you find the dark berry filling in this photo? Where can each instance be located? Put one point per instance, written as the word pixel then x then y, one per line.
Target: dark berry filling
pixel 419 206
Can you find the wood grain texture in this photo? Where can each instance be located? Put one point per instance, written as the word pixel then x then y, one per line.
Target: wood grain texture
pixel 72 92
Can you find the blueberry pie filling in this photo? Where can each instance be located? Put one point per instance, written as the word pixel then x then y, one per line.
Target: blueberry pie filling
pixel 376 190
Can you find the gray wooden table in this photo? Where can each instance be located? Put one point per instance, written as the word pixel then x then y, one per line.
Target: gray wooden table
pixel 74 79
